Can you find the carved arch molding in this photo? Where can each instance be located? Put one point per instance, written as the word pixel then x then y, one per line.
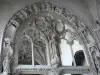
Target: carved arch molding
pixel 49 19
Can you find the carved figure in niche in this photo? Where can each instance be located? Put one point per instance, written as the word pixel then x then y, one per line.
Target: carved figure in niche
pixel 49 18
pixel 7 55
pixel 96 56
pixel 68 35
pixel 53 51
pixel 41 23
pixel 72 19
pixel 89 40
pixel 45 6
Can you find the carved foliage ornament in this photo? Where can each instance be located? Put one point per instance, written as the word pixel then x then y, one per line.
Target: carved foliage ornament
pixel 47 25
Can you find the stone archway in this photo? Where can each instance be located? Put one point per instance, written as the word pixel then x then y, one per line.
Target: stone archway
pixel 41 15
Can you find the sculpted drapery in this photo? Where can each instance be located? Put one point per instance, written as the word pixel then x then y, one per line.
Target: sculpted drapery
pixel 50 27
pixel 49 30
pixel 7 56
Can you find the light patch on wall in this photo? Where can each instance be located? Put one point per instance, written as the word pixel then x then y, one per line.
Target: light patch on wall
pixel 66 54
pixel 76 46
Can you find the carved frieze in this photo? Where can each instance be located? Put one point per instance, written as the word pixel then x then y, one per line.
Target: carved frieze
pixel 95 52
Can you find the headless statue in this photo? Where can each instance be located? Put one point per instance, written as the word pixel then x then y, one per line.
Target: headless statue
pixel 7 54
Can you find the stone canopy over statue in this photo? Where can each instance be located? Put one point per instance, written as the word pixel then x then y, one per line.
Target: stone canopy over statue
pixel 7 55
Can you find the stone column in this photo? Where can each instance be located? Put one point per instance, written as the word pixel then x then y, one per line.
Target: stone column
pixel 48 56
pixel 72 54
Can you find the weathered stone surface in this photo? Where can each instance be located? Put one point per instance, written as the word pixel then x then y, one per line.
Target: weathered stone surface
pixel 44 32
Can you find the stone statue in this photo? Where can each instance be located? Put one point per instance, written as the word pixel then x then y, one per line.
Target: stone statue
pixel 53 51
pixel 96 56
pixel 41 23
pixel 7 54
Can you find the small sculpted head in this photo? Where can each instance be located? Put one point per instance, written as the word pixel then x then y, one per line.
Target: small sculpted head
pixel 7 41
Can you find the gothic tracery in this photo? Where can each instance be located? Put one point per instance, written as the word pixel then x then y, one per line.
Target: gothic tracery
pixel 45 24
